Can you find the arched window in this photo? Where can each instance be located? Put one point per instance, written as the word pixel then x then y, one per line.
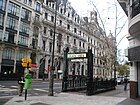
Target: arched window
pixel 20 54
pixel 8 53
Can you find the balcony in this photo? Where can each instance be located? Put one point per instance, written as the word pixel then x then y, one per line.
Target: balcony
pixel 134 25
pixel 134 22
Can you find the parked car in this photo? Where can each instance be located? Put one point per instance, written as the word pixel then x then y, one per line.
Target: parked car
pixel 120 80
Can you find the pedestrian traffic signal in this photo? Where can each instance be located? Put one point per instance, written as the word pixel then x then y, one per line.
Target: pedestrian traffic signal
pixel 26 62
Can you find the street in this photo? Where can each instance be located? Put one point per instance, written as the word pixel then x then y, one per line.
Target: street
pixel 8 90
pixel 39 88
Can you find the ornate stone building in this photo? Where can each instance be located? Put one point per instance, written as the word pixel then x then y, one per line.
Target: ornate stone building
pixel 16 34
pixel 26 31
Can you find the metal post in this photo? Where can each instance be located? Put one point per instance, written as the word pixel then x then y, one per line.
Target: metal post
pixel 65 72
pixel 90 89
pixel 52 61
pixel 25 94
pixel 115 66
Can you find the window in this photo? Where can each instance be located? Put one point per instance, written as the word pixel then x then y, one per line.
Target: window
pixel 88 39
pixel 68 15
pixel 20 54
pixel 67 39
pixel 46 16
pixel 30 2
pixel 24 27
pixel 74 41
pixel 44 30
pixel 68 27
pixel 51 32
pixel 59 37
pixel 53 6
pixel 9 37
pixel 61 10
pixel 75 19
pixel 36 17
pixel 79 32
pixel 80 44
pixel 2 4
pixel 26 14
pixel 8 53
pixel 24 1
pixel 1 32
pixel 37 7
pixel 83 45
pixel 46 2
pixel 34 43
pixel 94 42
pixel 12 23
pixel 13 9
pixel 36 31
pixel 59 48
pixel 50 47
pixel 60 22
pixel 44 43
pixel 75 30
pixel 23 40
pixel 1 19
pixel 52 18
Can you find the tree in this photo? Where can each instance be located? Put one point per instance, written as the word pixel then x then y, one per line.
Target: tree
pixel 123 70
pixel 110 55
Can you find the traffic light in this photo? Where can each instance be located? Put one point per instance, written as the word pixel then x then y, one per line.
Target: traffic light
pixel 26 62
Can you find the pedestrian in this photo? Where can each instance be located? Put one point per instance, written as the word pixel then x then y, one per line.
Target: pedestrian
pixel 21 82
pixel 125 83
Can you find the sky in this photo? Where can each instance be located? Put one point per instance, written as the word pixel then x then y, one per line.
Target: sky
pixel 107 11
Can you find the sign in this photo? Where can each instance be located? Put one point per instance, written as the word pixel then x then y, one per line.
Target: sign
pixel 26 62
pixel 77 60
pixel 82 55
pixel 28 81
pixel 134 54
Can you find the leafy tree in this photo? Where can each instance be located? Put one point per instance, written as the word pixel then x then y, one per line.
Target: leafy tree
pixel 123 69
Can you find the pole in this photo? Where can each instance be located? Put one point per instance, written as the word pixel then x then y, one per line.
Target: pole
pixel 25 94
pixel 65 72
pixel 52 64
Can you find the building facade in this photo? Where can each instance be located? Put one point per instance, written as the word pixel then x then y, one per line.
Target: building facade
pixel 26 31
pixel 16 34
pixel 132 10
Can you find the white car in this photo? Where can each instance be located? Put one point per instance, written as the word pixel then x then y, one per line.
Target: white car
pixel 120 80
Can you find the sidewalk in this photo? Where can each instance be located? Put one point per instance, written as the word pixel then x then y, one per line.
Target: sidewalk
pixel 66 99
pixel 115 97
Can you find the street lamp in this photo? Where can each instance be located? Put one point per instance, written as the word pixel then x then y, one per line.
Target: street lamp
pixel 52 60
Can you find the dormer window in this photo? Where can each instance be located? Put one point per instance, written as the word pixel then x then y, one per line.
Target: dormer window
pixel 30 2
pixel 46 15
pixel 68 15
pixel 37 7
pixel 46 2
pixel 61 11
pixel 80 44
pixel 52 18
pixel 75 19
pixel 74 41
pixel 75 30
pixel 53 6
pixel 68 27
pixel 60 22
